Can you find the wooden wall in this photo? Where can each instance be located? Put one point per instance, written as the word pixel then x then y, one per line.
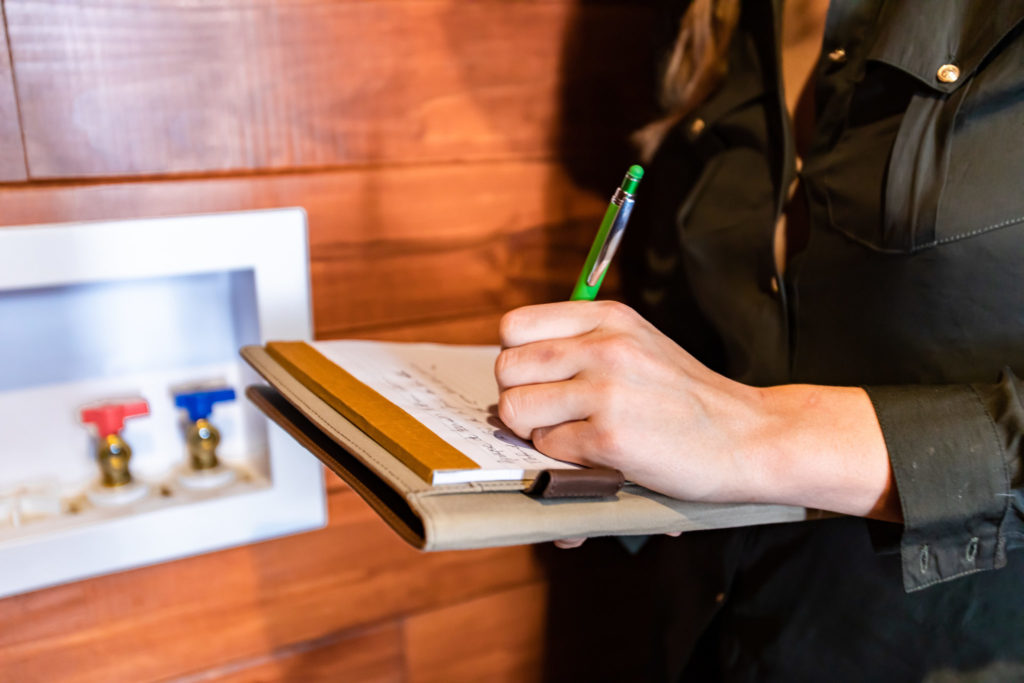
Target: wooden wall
pixel 446 152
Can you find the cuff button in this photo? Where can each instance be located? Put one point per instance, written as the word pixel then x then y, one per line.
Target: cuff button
pixel 972 550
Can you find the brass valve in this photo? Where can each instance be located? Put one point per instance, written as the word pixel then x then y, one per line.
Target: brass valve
pixel 114 454
pixel 202 439
pixel 111 450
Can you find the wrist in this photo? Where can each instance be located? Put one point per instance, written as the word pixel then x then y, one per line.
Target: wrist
pixel 821 447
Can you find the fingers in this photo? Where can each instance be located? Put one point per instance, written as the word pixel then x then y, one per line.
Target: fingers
pixel 558 320
pixel 555 417
pixel 527 408
pixel 569 441
pixel 547 321
pixel 552 360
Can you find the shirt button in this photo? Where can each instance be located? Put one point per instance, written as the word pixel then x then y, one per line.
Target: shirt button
pixel 948 73
pixel 697 127
pixel 837 56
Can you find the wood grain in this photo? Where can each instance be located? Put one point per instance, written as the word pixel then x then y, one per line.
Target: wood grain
pixel 12 154
pixel 471 329
pixel 501 638
pixel 370 656
pixel 390 247
pixel 196 614
pixel 126 87
pixel 439 149
pixel 431 283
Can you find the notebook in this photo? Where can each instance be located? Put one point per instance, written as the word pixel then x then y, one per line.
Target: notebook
pixel 411 428
pixel 433 405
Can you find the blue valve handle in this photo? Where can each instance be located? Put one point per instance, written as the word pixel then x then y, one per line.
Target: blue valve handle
pixel 199 404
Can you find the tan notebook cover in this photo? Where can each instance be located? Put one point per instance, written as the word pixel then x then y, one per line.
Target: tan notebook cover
pixel 479 514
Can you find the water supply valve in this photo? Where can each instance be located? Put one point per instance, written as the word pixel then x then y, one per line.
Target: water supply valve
pixel 112 452
pixel 201 437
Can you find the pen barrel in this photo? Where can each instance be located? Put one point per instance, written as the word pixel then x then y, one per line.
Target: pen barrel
pixel 611 243
pixel 603 248
pixel 583 291
pixel 609 234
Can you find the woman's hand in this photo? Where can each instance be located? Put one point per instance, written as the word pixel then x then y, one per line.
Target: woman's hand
pixel 595 384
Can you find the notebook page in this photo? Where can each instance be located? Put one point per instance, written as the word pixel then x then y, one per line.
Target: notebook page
pixel 451 390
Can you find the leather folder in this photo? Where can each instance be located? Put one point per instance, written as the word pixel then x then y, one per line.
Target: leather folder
pixel 481 514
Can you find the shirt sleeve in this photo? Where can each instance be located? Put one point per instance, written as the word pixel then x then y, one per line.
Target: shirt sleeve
pixel 957 454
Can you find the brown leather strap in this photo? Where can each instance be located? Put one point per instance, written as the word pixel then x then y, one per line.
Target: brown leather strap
pixel 597 482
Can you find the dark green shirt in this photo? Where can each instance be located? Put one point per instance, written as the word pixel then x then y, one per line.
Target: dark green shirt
pixel 910 283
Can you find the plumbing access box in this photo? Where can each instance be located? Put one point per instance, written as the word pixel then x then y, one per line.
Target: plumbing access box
pixel 93 312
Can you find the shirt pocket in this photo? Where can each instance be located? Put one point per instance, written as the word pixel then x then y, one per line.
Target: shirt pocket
pixel 983 186
pixel 931 152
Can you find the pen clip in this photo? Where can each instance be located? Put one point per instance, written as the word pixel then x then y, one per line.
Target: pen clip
pixel 612 239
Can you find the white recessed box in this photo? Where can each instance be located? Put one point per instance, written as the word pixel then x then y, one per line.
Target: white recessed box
pixel 91 311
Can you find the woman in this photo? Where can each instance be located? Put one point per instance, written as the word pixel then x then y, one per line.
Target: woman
pixel 843 333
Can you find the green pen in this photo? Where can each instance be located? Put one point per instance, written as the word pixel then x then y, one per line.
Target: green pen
pixel 608 237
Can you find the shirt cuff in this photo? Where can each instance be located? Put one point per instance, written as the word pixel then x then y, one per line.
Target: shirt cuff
pixel 953 476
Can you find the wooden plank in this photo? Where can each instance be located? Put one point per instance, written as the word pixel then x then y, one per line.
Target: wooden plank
pixel 371 656
pixel 12 154
pixel 126 87
pixel 390 247
pixel 387 284
pixel 373 205
pixel 189 616
pixel 472 329
pixel 498 637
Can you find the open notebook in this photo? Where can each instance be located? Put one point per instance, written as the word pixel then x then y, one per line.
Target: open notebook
pixel 449 390
pixel 411 428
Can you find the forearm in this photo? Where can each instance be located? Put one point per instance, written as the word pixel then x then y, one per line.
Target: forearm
pixel 592 383
pixel 822 447
pixel 595 384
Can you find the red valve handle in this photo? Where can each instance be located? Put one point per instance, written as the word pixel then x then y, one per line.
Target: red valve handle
pixel 109 417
